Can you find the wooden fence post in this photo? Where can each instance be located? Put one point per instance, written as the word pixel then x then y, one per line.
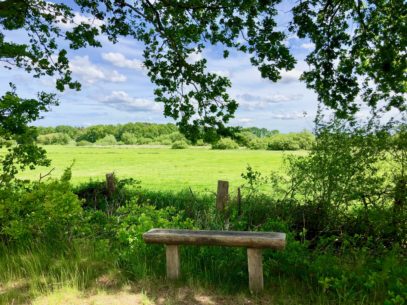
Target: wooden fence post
pixel 110 184
pixel 222 195
pixel 239 202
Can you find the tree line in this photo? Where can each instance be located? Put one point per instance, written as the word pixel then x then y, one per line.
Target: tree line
pixel 168 134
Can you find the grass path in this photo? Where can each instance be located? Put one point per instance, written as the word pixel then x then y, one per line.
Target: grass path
pixel 160 167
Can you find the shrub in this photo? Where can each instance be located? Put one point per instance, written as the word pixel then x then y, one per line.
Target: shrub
pixel 282 142
pixel 243 138
pixel 305 139
pixel 83 143
pixel 200 142
pixel 42 211
pixel 129 138
pixel 179 145
pixel 258 143
pixel 142 141
pixel 107 140
pixel 134 220
pixel 54 138
pixel 225 143
pixel 176 136
pixel 164 140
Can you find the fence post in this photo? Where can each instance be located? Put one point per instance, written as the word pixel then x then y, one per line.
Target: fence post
pixel 110 184
pixel 222 195
pixel 239 202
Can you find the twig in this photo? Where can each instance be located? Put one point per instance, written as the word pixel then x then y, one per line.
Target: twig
pixel 47 174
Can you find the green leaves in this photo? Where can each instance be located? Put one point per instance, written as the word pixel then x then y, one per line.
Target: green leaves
pixel 15 116
pixel 360 53
pixel 359 57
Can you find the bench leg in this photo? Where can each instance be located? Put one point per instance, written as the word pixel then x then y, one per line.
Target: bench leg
pixel 173 267
pixel 255 265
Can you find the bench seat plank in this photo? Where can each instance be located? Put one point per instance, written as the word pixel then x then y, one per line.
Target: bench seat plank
pixel 216 238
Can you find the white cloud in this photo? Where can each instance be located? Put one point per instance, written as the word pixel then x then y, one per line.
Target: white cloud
pixel 77 19
pixel 194 57
pixel 290 76
pixel 288 116
pixel 244 120
pixel 82 67
pixel 252 102
pixel 308 46
pixel 119 60
pixel 122 101
pixel 223 73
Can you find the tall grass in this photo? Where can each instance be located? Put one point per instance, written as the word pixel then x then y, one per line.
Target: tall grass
pixel 39 269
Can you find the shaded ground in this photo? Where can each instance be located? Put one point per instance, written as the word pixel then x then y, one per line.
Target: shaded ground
pixel 143 293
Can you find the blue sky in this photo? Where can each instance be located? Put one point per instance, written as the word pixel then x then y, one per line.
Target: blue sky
pixel 116 89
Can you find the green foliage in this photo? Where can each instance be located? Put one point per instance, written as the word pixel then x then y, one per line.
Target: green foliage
pixel 129 138
pixel 291 141
pixel 244 138
pixel 167 134
pixel 54 138
pixel 107 140
pixel 261 132
pixel 258 143
pixel 95 195
pixel 282 142
pixel 43 212
pixel 17 136
pixel 200 142
pixel 225 143
pixel 179 145
pixel 94 133
pixel 367 60
pixel 134 220
pixel 83 143
pixel 143 141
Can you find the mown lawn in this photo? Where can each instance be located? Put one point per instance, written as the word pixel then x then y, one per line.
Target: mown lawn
pixel 160 168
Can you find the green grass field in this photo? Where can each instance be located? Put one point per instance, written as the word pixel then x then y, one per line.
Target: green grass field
pixel 160 167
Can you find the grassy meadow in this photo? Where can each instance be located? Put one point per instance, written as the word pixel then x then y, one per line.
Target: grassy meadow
pixel 160 167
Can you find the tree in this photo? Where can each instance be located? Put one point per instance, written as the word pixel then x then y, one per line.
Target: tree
pixel 359 49
pixel 19 138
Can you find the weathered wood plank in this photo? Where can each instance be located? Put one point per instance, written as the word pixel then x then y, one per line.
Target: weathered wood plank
pixel 173 265
pixel 255 266
pixel 222 195
pixel 216 238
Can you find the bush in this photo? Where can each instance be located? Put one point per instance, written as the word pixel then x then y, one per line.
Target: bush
pixel 282 142
pixel 134 220
pixel 164 140
pixel 177 136
pixel 83 143
pixel 129 138
pixel 179 145
pixel 54 138
pixel 243 138
pixel 258 143
pixel 107 140
pixel 142 141
pixel 39 212
pixel 200 142
pixel 225 143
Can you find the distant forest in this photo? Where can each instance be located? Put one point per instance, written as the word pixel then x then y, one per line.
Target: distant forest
pixel 168 134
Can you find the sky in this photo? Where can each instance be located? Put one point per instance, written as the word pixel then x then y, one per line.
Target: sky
pixel 116 88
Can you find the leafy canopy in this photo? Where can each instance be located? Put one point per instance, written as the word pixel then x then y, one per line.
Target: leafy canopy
pixel 360 49
pixel 19 138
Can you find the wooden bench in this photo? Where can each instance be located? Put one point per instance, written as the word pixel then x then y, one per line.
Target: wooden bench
pixel 253 241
